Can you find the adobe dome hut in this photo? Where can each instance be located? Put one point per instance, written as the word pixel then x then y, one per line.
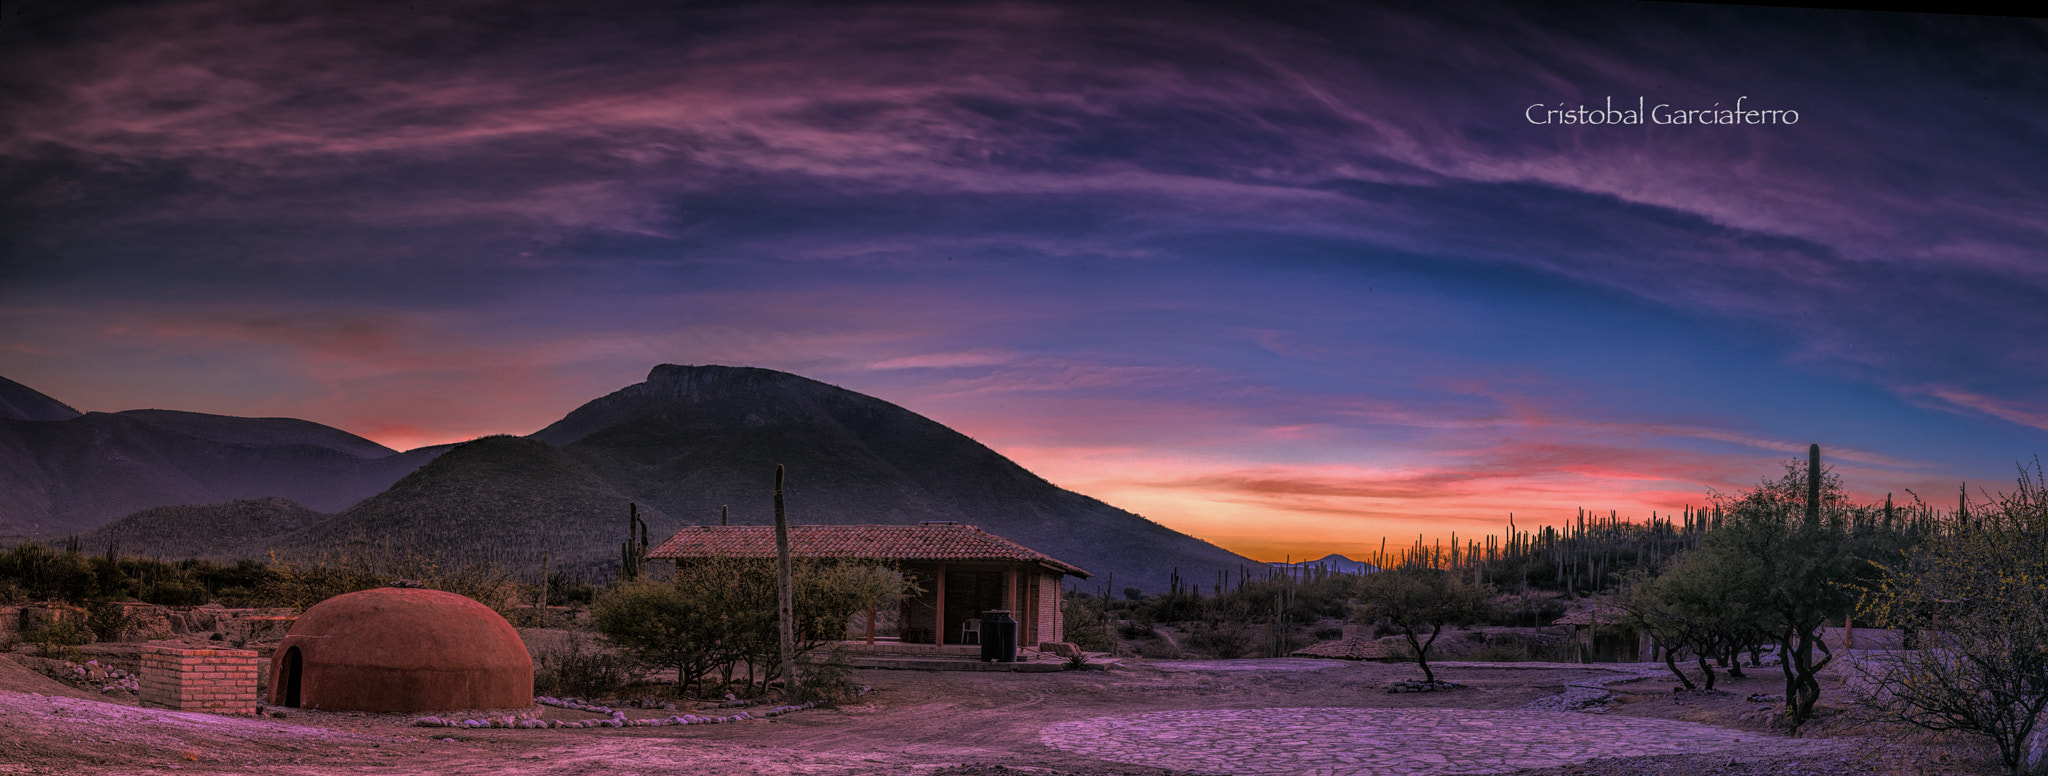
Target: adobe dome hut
pixel 401 650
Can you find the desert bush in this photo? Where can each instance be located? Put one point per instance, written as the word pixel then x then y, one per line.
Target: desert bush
pixel 109 622
pixel 578 667
pixel 1524 611
pixel 720 613
pixel 1087 623
pixel 1976 595
pixel 826 676
pixel 1222 640
pixel 299 581
pixel 59 639
pixel 1517 650
pixel 1160 650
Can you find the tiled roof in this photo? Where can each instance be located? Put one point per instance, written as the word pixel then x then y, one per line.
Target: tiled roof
pixel 947 542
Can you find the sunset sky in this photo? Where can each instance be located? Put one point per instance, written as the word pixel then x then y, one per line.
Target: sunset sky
pixel 1289 278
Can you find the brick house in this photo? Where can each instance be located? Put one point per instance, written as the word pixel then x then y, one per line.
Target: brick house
pixel 970 570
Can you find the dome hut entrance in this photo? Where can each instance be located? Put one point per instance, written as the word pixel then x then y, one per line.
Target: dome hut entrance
pixel 401 650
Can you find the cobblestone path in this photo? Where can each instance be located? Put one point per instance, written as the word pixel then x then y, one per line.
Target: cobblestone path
pixel 1339 742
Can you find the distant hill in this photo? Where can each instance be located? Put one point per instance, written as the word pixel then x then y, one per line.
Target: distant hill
pixel 226 531
pixel 693 438
pixel 500 498
pixel 1333 562
pixel 70 474
pixel 20 402
pixel 681 444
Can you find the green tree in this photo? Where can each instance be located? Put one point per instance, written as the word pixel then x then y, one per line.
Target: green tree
pixel 1796 561
pixel 1419 601
pixel 660 625
pixel 1976 595
pixel 1697 605
pixel 719 613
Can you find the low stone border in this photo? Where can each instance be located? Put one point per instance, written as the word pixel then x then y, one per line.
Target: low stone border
pixel 1591 695
pixel 618 718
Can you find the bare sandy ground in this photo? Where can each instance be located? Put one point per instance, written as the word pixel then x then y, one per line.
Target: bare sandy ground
pixel 945 724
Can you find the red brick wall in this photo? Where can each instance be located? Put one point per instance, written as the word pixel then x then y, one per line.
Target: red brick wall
pixel 222 681
pixel 1049 608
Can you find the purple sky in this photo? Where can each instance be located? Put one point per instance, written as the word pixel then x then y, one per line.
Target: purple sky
pixel 1289 279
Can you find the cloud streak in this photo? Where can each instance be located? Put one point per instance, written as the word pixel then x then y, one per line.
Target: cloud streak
pixel 1300 258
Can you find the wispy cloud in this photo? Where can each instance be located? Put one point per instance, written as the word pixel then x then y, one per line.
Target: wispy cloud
pixel 1305 258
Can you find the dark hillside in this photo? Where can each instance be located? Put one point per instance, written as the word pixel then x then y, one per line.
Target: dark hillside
pixel 499 498
pixel 60 477
pixel 260 431
pixel 226 531
pixel 692 438
pixel 20 402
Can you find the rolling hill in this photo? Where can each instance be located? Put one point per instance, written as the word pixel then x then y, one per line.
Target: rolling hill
pixel 70 474
pixel 692 438
pixel 499 498
pixel 681 444
pixel 227 531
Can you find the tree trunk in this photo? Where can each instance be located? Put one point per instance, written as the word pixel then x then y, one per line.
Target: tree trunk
pixel 1671 662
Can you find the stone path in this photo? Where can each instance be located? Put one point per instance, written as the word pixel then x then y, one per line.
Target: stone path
pixel 1340 741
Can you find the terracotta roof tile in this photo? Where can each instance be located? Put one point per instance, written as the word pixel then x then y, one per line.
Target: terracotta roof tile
pixel 947 542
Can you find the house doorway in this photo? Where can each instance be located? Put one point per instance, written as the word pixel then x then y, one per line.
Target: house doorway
pixel 288 676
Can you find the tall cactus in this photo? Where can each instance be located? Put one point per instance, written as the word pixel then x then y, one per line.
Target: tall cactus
pixel 633 553
pixel 1813 485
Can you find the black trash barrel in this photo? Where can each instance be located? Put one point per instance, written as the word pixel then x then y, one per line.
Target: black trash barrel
pixel 998 637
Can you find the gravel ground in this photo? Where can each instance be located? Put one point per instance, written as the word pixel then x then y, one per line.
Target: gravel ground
pixel 944 724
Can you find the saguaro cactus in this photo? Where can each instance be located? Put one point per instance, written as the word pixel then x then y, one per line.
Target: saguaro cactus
pixel 1813 485
pixel 633 553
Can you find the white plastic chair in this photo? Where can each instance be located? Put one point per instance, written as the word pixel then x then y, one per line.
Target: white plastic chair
pixel 970 628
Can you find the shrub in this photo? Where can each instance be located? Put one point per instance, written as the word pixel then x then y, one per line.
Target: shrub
pixel 1223 640
pixel 718 613
pixel 1087 626
pixel 1160 650
pixel 827 679
pixel 578 667
pixel 58 639
pixel 1977 597
pixel 109 622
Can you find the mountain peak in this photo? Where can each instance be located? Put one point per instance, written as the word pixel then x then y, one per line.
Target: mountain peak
pixel 20 402
pixel 752 392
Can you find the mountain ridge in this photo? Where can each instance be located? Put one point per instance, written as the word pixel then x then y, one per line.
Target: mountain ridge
pixel 681 444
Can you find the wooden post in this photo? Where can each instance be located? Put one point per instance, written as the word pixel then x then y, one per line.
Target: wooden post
pixel 1011 600
pixel 785 597
pixel 871 625
pixel 939 616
